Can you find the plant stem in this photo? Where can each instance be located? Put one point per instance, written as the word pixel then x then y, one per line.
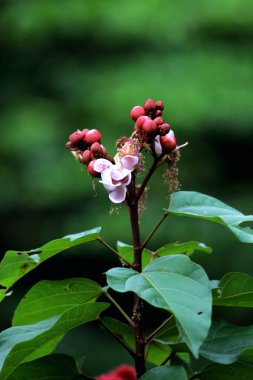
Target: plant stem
pixel 150 336
pixel 118 339
pixel 115 303
pixel 115 252
pixel 138 304
pixel 154 230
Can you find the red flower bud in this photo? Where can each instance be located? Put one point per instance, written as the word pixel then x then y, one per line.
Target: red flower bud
pixel 140 121
pixel 158 113
pixel 75 138
pixel 158 120
pixel 124 372
pixel 96 149
pixel 84 131
pixel 92 136
pixel 164 129
pixel 104 151
pixel 86 157
pixel 91 170
pixel 136 112
pixel 159 105
pixel 68 145
pixel 149 127
pixel 150 105
pixel 168 142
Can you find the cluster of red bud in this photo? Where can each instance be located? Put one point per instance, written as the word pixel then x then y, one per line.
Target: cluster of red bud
pixel 149 124
pixel 86 146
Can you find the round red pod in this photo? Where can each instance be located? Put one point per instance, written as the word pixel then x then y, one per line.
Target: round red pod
pixel 84 132
pixel 75 138
pixel 136 112
pixel 168 142
pixel 158 113
pixel 68 145
pixel 91 171
pixel 139 122
pixel 104 151
pixel 96 149
pixel 93 135
pixel 150 105
pixel 164 129
pixel 159 120
pixel 86 157
pixel 149 127
pixel 159 105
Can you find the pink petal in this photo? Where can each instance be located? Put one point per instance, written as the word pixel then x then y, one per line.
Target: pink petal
pixel 102 164
pixel 158 147
pixel 118 195
pixel 118 173
pixel 129 162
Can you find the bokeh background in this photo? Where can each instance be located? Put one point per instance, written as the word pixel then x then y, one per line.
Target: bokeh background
pixel 84 64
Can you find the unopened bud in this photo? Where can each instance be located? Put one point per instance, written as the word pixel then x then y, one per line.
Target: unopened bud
pixel 168 142
pixel 159 120
pixel 68 145
pixel 150 105
pixel 158 113
pixel 96 149
pixel 159 105
pixel 140 121
pixel 164 129
pixel 91 169
pixel 93 136
pixel 149 127
pixel 75 138
pixel 86 157
pixel 136 112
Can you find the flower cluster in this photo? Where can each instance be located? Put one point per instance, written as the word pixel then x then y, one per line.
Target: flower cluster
pixel 150 134
pixel 124 372
pixel 150 127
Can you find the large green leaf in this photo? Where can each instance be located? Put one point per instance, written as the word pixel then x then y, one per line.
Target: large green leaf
pixel 49 298
pixel 226 342
pixel 197 205
pixel 176 284
pixel 16 264
pixel 235 371
pixel 187 248
pixel 126 252
pixel 51 367
pixel 234 289
pixel 19 344
pixel 165 373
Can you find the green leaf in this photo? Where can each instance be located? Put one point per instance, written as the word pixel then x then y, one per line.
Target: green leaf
pixel 127 253
pixel 176 284
pixel 16 264
pixel 236 371
pixel 226 342
pixel 234 289
pixel 197 205
pixel 19 344
pixel 49 298
pixel 187 248
pixel 51 367
pixel 165 373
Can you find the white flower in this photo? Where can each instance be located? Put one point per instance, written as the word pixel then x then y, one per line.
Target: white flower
pixel 116 177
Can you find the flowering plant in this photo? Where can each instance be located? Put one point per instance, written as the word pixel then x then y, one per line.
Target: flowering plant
pixel 188 343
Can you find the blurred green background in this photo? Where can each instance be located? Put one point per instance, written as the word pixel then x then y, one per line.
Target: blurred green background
pixel 84 64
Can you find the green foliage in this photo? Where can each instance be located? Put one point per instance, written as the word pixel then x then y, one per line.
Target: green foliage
pixel 21 344
pixel 127 253
pixel 49 298
pixel 234 289
pixel 236 371
pixel 175 284
pixel 164 373
pixel 51 367
pixel 226 342
pixel 197 205
pixel 16 264
pixel 188 248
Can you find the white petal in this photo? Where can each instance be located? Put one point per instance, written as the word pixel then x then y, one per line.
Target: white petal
pixel 129 162
pixel 106 176
pixel 102 164
pixel 118 173
pixel 118 195
pixel 158 147
pixel 110 187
